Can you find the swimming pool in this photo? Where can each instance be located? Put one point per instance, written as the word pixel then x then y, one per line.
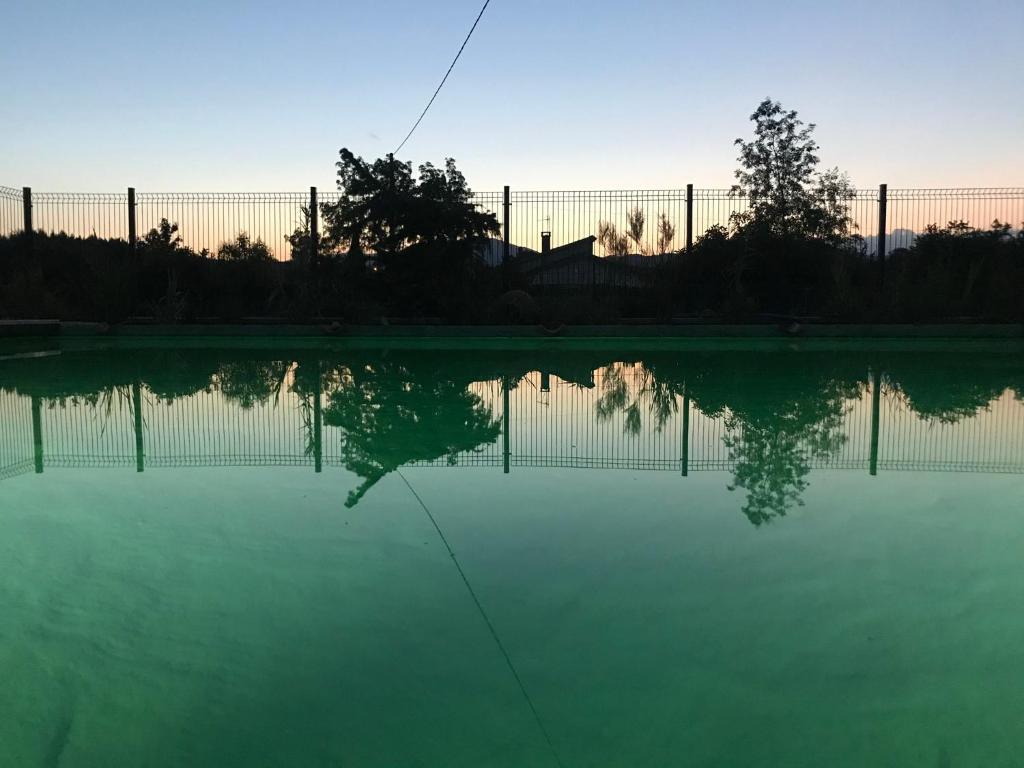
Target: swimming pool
pixel 251 552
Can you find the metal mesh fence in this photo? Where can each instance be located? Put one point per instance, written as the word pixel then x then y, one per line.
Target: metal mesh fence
pixel 11 210
pixel 911 211
pixel 207 220
pixel 102 215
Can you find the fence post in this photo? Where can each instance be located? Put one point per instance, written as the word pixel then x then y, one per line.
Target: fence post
pixel 506 208
pixel 883 204
pixel 689 217
pixel 132 234
pixel 26 198
pixel 314 228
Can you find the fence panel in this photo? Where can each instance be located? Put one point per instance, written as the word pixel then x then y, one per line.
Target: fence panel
pixel 12 213
pixel 912 210
pixel 101 214
pixel 207 220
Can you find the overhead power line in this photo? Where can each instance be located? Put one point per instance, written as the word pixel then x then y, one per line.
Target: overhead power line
pixel 444 79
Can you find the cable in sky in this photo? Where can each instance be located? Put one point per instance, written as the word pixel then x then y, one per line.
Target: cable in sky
pixel 444 79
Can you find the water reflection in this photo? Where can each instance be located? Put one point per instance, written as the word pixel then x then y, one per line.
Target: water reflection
pixel 768 418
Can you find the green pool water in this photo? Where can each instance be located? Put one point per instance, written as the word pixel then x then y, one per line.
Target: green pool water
pixel 237 553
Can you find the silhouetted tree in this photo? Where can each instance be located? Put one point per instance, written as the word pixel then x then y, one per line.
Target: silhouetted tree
pixel 383 209
pixel 778 176
pixel 635 221
pixel 243 248
pixel 162 239
pixel 614 242
pixel 666 233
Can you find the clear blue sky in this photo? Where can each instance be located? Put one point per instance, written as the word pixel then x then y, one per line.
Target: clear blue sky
pixel 549 94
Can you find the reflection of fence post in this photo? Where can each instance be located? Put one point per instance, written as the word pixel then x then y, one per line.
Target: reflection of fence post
pixel 132 234
pixel 883 205
pixel 686 434
pixel 318 420
pixel 506 452
pixel 689 217
pixel 314 230
pixel 140 457
pixel 37 433
pixel 876 391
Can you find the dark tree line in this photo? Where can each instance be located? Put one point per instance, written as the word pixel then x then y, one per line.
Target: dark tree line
pixel 401 243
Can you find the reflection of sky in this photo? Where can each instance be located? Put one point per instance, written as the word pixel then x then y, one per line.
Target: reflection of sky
pixel 548 95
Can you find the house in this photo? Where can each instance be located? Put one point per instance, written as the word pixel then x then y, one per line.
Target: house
pixel 571 265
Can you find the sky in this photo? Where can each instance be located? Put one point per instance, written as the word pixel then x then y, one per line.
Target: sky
pixel 549 94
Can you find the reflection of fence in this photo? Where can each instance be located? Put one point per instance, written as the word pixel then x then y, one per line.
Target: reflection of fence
pixel 549 423
pixel 206 220
pixel 16 444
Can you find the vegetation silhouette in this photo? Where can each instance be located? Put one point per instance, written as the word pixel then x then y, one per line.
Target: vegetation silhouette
pixel 243 248
pixel 408 245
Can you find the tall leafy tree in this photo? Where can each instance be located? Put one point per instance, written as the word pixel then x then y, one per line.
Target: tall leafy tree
pixel 778 176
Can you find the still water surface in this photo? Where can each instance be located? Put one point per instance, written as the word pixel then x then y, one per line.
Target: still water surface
pixel 705 555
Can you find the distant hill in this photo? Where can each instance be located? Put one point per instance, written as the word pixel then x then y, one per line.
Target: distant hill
pixel 492 249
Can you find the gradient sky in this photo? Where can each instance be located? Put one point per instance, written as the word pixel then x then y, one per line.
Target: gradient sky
pixel 550 94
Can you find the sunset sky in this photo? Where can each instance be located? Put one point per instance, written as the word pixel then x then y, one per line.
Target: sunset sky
pixel 548 95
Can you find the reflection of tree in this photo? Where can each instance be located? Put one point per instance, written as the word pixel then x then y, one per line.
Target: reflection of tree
pixel 771 460
pixel 627 388
pixel 781 412
pixel 948 389
pixel 248 382
pixel 392 413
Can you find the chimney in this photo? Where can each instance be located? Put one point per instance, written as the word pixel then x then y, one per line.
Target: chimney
pixel 545 242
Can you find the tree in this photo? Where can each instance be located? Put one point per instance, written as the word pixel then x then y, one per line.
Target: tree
pixel 163 238
pixel 614 242
pixel 666 233
pixel 242 248
pixel 778 176
pixel 383 209
pixel 635 221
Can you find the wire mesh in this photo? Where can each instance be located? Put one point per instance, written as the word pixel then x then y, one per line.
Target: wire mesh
pixel 101 214
pixel 12 211
pixel 911 211
pixel 207 220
